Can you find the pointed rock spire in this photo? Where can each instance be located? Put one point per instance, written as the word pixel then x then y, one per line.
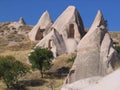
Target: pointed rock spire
pixel 96 55
pixel 70 24
pixel 41 28
pixel 98 21
pixel 22 21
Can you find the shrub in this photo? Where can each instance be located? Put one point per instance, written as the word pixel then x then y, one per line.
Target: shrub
pixel 40 58
pixel 71 59
pixel 11 70
pixel 117 48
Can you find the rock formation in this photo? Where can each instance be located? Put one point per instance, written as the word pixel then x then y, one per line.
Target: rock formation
pixel 96 55
pixel 16 25
pixel 41 28
pixel 109 82
pixel 81 84
pixel 70 25
pixel 69 28
pixel 22 21
pixel 53 41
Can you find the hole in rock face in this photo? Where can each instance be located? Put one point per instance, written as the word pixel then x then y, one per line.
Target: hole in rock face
pixel 71 31
pixel 39 35
pixel 50 44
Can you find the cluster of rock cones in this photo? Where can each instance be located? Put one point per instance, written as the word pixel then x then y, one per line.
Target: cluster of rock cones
pixel 96 56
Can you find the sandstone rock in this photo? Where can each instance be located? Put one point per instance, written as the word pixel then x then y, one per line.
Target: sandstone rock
pixel 22 21
pixel 71 45
pixel 53 41
pixel 69 24
pixel 80 84
pixel 16 25
pixel 96 55
pixel 41 28
pixel 109 82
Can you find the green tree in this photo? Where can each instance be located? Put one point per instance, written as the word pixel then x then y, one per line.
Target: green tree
pixel 11 70
pixel 40 58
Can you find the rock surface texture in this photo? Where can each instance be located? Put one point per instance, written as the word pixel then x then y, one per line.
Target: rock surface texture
pixel 69 24
pixel 68 30
pixel 109 82
pixel 54 42
pixel 41 28
pixel 83 83
pixel 96 55
pixel 22 21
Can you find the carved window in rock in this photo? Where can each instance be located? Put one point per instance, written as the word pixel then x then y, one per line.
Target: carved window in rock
pixel 50 44
pixel 71 31
pixel 39 34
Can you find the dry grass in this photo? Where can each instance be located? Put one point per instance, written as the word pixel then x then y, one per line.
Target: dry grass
pixel 115 36
pixel 34 77
pixel 19 55
pixel 61 61
pixel 32 81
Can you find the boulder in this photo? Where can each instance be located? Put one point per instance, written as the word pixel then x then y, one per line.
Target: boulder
pixel 54 42
pixel 95 55
pixel 80 84
pixel 41 28
pixel 109 82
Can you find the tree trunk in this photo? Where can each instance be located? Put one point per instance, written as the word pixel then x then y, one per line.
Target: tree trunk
pixel 41 74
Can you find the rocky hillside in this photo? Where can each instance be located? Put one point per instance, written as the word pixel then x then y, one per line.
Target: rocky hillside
pixel 14 34
pixel 116 37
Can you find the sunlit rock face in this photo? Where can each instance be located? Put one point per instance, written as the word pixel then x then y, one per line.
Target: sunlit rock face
pixel 22 21
pixel 54 42
pixel 68 28
pixel 41 28
pixel 109 82
pixel 69 24
pixel 96 55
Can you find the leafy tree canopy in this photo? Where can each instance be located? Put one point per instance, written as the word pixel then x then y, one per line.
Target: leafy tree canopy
pixel 11 70
pixel 40 58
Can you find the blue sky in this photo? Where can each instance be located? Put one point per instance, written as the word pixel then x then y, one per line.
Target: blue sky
pixel 31 10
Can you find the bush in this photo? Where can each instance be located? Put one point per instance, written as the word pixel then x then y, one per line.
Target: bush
pixel 71 59
pixel 11 70
pixel 117 48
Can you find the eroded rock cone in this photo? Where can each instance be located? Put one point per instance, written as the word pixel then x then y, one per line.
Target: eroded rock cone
pixel 96 55
pixel 69 24
pixel 41 28
pixel 54 42
pixel 22 21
